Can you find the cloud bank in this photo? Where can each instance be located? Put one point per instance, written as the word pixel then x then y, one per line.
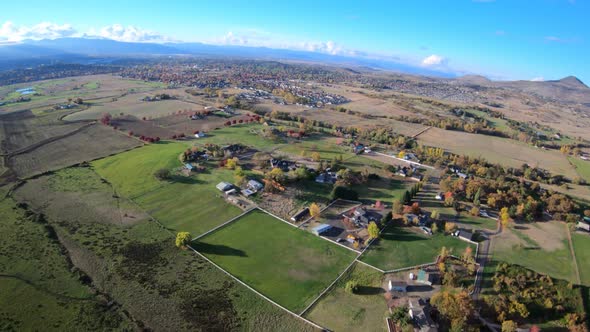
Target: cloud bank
pixel 10 32
pixel 45 30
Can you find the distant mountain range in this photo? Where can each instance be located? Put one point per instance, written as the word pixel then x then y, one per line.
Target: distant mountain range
pixel 84 49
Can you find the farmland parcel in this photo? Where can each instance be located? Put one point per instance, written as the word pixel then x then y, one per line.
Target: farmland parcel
pixel 288 265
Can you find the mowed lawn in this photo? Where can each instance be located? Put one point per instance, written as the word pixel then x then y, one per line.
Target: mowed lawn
pixel 402 247
pixel 287 264
pixel 582 167
pixel 182 204
pixel 582 249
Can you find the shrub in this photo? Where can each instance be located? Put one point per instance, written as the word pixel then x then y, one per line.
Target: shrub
pixel 183 239
pixel 162 174
pixel 351 286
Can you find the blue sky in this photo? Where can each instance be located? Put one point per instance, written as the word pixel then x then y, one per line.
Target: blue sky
pixel 502 39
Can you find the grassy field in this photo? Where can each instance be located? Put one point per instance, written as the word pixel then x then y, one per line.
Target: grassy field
pixel 497 150
pixel 244 134
pixel 137 264
pixel 543 248
pixel 582 249
pixel 582 167
pixel 477 222
pixel 383 189
pixel 190 204
pixel 401 247
pixel 288 265
pixel 89 88
pixel 35 277
pixel 366 310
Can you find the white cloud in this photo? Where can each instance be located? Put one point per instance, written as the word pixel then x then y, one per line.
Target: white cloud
pixel 10 32
pixel 259 38
pixel 44 30
pixel 130 33
pixel 329 47
pixel 537 79
pixel 434 60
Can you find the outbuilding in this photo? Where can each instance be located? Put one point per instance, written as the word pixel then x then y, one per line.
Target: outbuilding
pixel 318 230
pixel 224 186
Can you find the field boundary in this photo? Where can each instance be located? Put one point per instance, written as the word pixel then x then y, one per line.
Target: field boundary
pixel 257 292
pixel 371 266
pixel 231 275
pixel 224 224
pixel 327 288
pixel 405 161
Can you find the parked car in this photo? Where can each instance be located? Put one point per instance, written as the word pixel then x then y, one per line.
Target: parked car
pixel 426 230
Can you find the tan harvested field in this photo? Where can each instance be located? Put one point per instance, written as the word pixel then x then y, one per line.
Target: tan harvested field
pixel 132 104
pixel 181 123
pixel 498 150
pixel 361 102
pixel 347 120
pixel 93 142
pixel 58 91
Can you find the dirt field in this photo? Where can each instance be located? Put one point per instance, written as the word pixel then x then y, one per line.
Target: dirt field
pixel 22 129
pixel 139 127
pixel 90 143
pixel 498 150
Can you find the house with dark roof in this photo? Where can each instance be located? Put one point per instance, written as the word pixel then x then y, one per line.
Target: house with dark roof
pixel 283 165
pixel 300 215
pixel 464 234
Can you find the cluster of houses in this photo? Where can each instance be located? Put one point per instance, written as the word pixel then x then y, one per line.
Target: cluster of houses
pixel 412 172
pixel 250 188
pixel 457 171
pixel 283 165
pixel 359 148
pixel 361 217
pixel 326 177
pixel 415 293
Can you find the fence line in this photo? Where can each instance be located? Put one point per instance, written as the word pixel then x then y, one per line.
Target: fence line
pixel 327 288
pixel 224 224
pixel 406 161
pixel 371 266
pixel 255 291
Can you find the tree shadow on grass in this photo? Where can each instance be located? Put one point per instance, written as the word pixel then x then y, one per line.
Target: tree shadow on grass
pixel 419 288
pixel 401 235
pixel 369 290
pixel 185 180
pixel 218 249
